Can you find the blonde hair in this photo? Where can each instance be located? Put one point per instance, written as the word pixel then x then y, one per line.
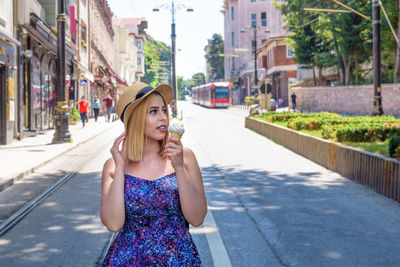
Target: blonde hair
pixel 135 133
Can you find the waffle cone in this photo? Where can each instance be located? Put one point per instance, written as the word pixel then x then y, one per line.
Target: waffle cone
pixel 175 134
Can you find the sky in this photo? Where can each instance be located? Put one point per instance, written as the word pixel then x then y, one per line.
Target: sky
pixel 192 28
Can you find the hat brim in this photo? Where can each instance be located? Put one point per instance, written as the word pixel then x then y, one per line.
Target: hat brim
pixel 164 89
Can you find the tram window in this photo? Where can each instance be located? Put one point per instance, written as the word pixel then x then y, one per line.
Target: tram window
pixel 221 92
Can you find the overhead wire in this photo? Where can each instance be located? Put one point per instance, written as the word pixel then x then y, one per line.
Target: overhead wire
pixel 314 14
pixel 352 10
pixel 390 24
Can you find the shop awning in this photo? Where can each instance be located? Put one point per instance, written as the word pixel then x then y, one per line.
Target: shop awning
pixel 118 80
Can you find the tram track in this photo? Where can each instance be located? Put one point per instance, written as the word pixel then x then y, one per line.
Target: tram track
pixel 19 215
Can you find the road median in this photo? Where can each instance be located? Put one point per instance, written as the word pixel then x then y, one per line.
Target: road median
pixel 377 172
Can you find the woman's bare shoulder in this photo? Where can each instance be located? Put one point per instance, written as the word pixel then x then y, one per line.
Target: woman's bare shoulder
pixel 108 168
pixel 188 152
pixel 190 158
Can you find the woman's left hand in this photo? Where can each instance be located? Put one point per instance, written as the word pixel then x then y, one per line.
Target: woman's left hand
pixel 174 151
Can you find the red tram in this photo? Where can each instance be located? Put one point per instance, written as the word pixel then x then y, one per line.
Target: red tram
pixel 213 95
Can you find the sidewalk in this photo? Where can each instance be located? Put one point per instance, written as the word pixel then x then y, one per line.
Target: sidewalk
pixel 23 157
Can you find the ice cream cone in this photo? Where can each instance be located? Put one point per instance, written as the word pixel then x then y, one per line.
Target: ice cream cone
pixel 175 134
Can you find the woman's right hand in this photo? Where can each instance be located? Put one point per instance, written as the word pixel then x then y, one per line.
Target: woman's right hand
pixel 119 155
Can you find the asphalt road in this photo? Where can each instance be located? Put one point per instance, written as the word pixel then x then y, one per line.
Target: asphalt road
pixel 267 206
pixel 276 208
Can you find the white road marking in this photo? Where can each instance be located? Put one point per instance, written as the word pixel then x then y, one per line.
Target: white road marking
pixel 218 252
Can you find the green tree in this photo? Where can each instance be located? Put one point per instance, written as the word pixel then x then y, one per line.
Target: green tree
pixel 390 48
pixel 198 79
pixel 215 47
pixel 182 87
pixel 156 62
pixel 326 39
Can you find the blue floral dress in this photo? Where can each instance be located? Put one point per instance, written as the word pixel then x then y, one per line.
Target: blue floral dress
pixel 154 233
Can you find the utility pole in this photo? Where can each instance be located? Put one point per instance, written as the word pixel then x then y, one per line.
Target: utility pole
pixel 255 59
pixel 173 40
pixel 377 57
pixel 61 118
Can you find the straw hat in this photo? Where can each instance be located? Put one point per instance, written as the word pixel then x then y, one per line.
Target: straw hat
pixel 134 94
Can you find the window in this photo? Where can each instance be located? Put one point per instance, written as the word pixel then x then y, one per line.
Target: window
pixel 233 63
pixel 83 32
pixel 263 41
pixel 253 20
pixel 221 92
pixel 233 39
pixel 289 52
pixel 138 44
pixel 232 13
pixel 139 60
pixel 74 33
pixel 264 19
pixel 252 1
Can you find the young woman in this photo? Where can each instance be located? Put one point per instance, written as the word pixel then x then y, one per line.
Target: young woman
pixel 150 186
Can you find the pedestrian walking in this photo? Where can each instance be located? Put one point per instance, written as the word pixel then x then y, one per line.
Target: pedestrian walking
pixel 293 96
pixel 96 107
pixel 109 104
pixel 83 109
pixel 151 186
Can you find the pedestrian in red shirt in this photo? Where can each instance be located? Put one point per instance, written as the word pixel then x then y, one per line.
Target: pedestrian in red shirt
pixel 83 109
pixel 109 104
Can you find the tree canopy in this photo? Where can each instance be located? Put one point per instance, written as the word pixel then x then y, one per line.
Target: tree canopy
pixel 156 62
pixel 215 47
pixel 343 40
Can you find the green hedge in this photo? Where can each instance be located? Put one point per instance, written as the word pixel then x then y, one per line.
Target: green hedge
pixel 340 128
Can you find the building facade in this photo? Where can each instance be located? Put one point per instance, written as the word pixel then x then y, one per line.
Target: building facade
pixel 10 89
pixel 98 61
pixel 101 36
pixel 80 37
pixel 35 29
pixel 136 29
pixel 125 56
pixel 246 23
pixel 276 57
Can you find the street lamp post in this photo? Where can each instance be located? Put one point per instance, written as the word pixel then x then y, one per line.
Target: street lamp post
pixel 377 57
pixel 254 49
pixel 61 118
pixel 173 9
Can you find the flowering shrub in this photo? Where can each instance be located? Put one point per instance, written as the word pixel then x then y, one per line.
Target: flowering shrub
pixel 84 44
pixel 394 146
pixel 340 128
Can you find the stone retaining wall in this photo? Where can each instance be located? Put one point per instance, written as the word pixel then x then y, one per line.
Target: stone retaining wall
pixel 377 172
pixel 357 100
